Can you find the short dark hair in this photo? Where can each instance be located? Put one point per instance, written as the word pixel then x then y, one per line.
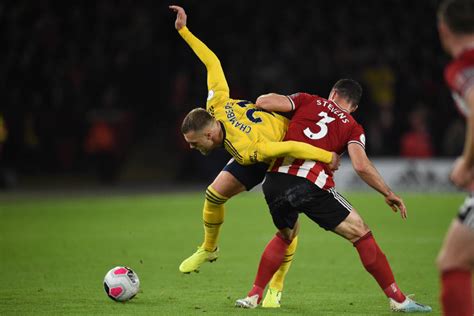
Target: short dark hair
pixel 458 15
pixel 196 120
pixel 349 89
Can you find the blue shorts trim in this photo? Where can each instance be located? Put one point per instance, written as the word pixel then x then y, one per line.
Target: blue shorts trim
pixel 249 175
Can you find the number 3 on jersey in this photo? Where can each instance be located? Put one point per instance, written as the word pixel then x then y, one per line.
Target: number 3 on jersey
pixel 322 123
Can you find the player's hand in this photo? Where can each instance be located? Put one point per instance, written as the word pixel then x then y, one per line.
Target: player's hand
pixel 396 203
pixel 461 176
pixel 181 17
pixel 335 162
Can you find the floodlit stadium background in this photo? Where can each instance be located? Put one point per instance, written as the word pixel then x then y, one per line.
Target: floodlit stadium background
pixel 70 70
pixel 94 172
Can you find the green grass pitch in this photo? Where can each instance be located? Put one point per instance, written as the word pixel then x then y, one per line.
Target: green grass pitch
pixel 54 253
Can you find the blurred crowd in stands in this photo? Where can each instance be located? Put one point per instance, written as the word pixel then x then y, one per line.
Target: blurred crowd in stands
pixel 86 85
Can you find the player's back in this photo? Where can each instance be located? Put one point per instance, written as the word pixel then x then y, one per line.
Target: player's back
pixel 321 123
pixel 245 125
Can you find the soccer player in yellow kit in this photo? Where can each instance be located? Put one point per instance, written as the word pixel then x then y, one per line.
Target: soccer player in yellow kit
pixel 251 136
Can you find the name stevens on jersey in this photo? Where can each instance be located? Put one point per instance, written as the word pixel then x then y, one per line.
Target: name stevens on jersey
pixel 338 112
pixel 233 120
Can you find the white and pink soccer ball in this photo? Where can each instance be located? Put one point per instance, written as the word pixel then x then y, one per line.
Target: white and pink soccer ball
pixel 121 284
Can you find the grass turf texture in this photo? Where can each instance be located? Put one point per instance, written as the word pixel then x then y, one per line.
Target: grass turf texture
pixel 54 254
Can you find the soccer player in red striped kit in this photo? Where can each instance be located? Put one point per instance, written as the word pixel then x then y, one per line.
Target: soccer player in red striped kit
pixel 456 258
pixel 294 186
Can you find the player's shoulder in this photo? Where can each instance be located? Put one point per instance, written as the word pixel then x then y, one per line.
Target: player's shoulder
pixel 350 121
pixel 357 124
pixel 303 99
pixel 460 71
pixel 303 95
pixel 354 119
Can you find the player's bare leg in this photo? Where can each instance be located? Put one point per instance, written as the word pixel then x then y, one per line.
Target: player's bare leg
pixel 455 263
pixel 224 187
pixel 354 229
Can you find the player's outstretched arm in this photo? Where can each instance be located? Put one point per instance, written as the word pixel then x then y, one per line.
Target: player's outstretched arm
pixel 216 81
pixel 181 17
pixel 366 170
pixel 273 102
pixel 298 150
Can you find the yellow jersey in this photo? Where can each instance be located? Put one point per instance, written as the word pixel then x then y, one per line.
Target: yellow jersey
pixel 246 126
pixel 250 134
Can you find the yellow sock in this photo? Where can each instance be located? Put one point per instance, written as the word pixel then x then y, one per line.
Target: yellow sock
pixel 279 277
pixel 213 216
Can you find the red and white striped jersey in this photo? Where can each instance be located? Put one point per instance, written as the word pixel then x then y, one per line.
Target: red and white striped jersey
pixel 459 76
pixel 321 123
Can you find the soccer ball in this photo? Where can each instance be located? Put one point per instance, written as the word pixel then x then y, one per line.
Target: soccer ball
pixel 121 284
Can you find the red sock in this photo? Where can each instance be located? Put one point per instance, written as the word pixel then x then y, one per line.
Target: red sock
pixel 270 261
pixel 376 264
pixel 456 293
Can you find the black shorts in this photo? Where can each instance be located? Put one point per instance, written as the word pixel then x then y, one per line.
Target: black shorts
pixel 249 175
pixel 289 195
pixel 466 212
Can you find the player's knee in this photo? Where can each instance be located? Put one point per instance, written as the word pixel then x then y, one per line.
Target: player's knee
pixel 364 230
pixel 227 185
pixel 448 261
pixel 445 263
pixel 356 225
pixel 221 189
pixel 287 234
pixel 440 262
pixel 214 197
pixel 359 229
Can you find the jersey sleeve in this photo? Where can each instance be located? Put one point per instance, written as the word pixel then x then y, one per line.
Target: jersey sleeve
pixel 297 99
pixel 357 135
pixel 460 77
pixel 266 151
pixel 216 82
